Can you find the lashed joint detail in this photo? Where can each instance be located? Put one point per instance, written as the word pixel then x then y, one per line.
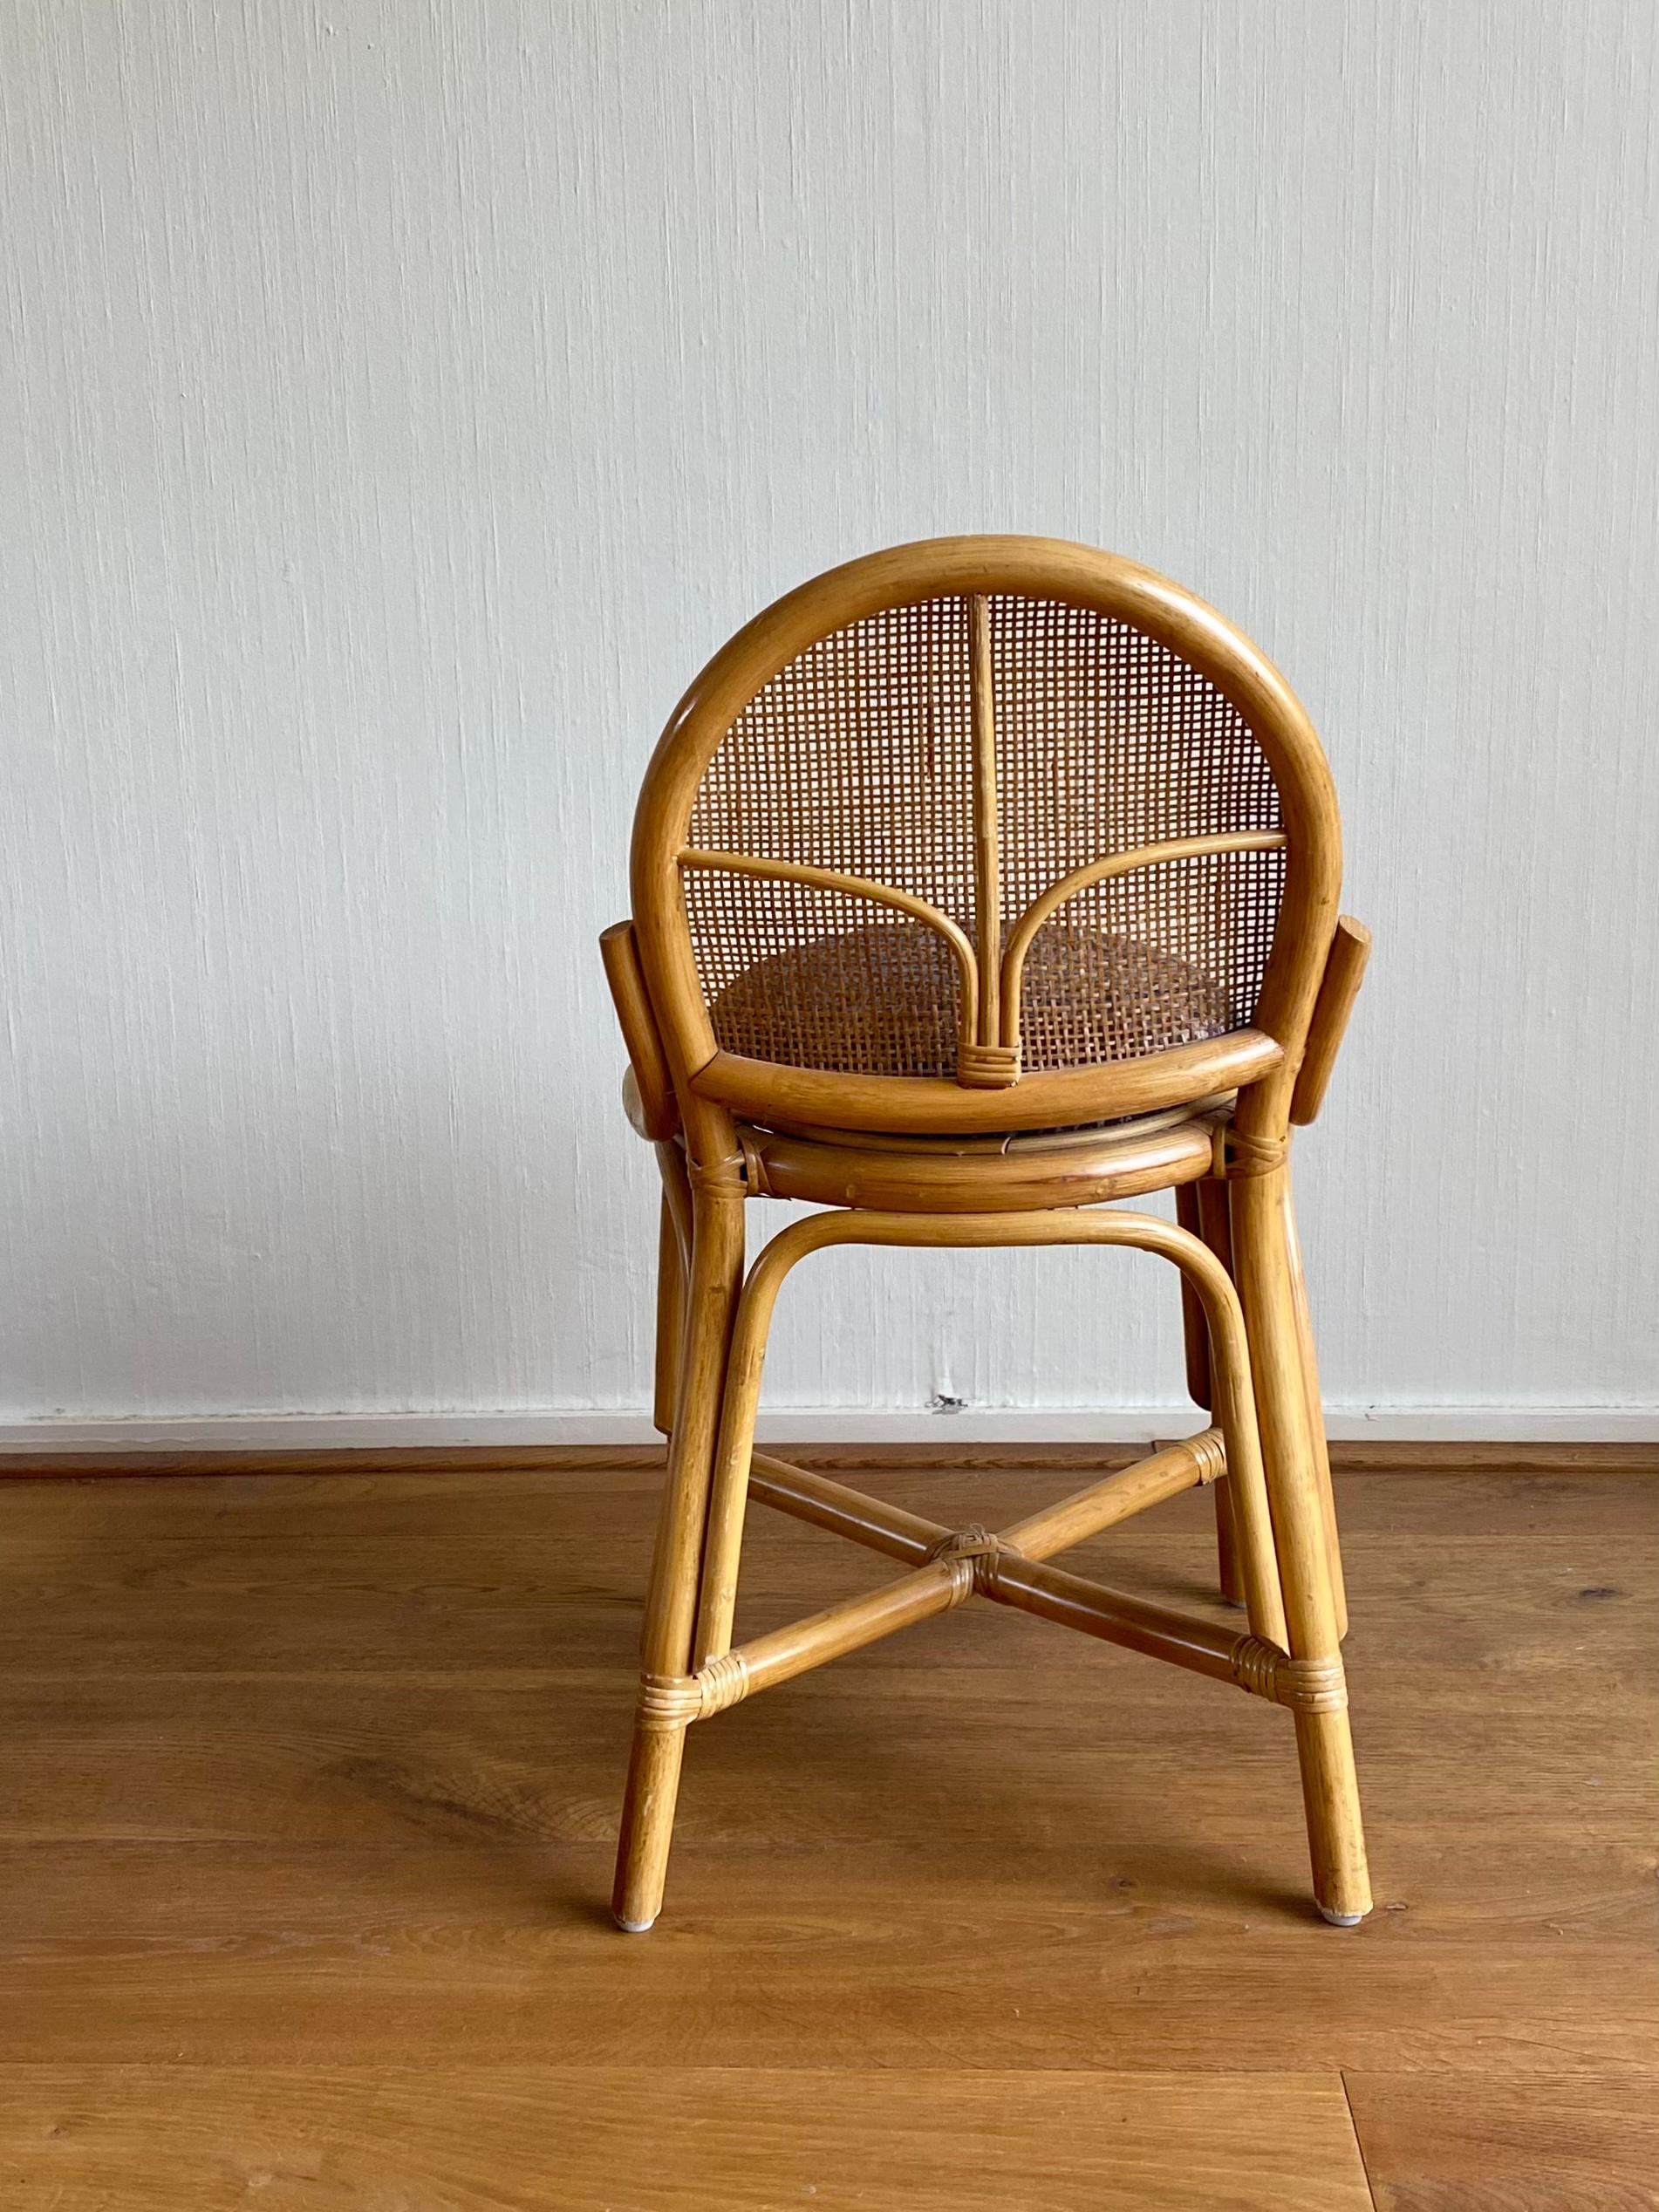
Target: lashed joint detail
pixel 988 1067
pixel 674 1701
pixel 1208 1452
pixel 1235 1157
pixel 1314 1685
pixel 976 1550
pixel 1305 1685
pixel 976 1560
pixel 669 1701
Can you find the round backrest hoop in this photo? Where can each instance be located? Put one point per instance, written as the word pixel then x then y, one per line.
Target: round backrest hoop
pixel 985 831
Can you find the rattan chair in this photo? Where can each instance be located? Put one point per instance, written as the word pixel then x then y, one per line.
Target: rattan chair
pixel 975 883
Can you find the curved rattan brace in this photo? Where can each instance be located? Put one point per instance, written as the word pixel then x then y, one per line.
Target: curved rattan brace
pixel 1109 1225
pixel 1099 871
pixel 831 879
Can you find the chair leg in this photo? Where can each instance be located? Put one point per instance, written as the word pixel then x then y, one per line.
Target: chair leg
pixel 1215 1227
pixel 671 1603
pixel 1202 1209
pixel 1316 1415
pixel 1261 1224
pixel 729 1488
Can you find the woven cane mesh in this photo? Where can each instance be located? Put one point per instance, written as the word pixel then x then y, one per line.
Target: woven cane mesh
pixel 812 980
pixel 857 757
pixel 1142 962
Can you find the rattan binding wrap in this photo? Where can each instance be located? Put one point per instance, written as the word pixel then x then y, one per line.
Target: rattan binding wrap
pixel 858 758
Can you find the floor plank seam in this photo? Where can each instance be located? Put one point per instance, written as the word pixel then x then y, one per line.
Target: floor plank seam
pixel 1359 2145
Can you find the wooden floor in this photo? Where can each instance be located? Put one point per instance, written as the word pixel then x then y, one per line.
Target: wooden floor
pixel 311 1785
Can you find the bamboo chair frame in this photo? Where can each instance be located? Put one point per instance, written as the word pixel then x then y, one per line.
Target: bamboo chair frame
pixel 939 1159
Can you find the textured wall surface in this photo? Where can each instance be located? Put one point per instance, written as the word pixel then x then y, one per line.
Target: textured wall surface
pixel 401 401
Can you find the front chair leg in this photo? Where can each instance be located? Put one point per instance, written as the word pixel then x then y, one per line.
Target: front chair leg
pixel 1315 1412
pixel 674 1244
pixel 671 1603
pixel 1263 1260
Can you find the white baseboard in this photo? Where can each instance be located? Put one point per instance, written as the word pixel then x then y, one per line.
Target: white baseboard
pixel 1447 1424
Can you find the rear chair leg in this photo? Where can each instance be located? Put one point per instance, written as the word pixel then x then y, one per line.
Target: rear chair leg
pixel 1262 1228
pixel 1202 1208
pixel 671 1603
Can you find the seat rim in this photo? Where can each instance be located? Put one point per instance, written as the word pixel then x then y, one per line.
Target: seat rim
pixel 1090 1167
pixel 995 1144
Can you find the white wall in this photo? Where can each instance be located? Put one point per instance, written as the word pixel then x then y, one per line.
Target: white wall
pixel 404 399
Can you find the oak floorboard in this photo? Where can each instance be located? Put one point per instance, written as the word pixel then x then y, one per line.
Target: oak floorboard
pixel 1468 2143
pixel 311 1791
pixel 1479 1502
pixel 275 1956
pixel 520 2139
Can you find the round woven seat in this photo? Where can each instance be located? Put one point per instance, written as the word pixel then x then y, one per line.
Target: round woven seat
pixel 882 1000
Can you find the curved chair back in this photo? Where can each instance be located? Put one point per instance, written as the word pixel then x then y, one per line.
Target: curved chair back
pixel 984 833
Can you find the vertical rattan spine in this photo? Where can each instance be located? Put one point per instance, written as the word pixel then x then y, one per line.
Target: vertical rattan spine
pixel 993 1061
pixel 988 865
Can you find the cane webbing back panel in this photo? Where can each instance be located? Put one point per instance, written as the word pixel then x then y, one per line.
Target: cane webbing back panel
pixel 858 758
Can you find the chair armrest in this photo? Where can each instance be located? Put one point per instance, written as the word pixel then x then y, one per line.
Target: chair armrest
pixel 659 1109
pixel 1344 971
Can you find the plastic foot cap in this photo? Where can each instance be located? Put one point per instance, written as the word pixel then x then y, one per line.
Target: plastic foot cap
pixel 1340 1920
pixel 634 1927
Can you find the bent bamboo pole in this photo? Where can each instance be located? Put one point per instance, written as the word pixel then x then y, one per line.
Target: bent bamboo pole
pixel 1014 1576
pixel 882 1527
pixel 1107 1225
pixel 1098 871
pixel 1204 1647
pixel 870 1521
pixel 832 880
pixel 1008 1578
pixel 1102 1505
pixel 838 1629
